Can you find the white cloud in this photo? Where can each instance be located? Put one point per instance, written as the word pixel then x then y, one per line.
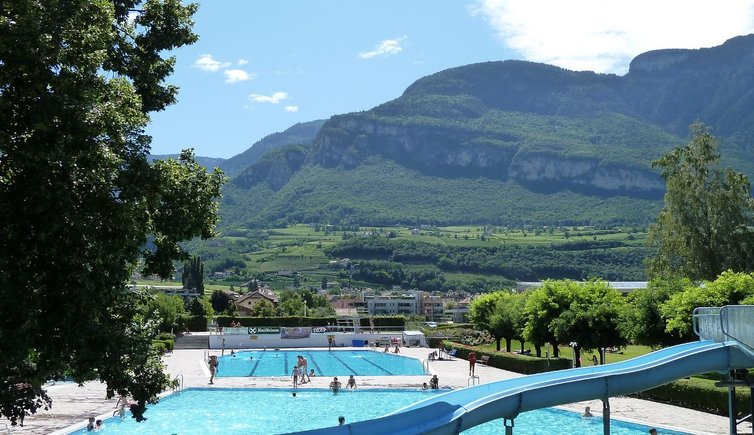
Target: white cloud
pixel 206 62
pixel 237 75
pixel 604 35
pixel 387 47
pixel 291 109
pixel 242 62
pixel 275 98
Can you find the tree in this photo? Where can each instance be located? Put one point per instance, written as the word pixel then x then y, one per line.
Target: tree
pixel 543 306
pixel 221 301
pixel 166 309
pixel 81 204
pixel 591 320
pixel 263 308
pixel 730 288
pixel 707 223
pixel 193 274
pixel 482 307
pixel 200 307
pixel 642 321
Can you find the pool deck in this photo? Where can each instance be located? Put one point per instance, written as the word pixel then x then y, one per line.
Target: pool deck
pixel 72 404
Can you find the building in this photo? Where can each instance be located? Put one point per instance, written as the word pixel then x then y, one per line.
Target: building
pixel 405 303
pixel 245 303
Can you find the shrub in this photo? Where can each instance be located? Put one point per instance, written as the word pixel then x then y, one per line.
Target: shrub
pixel 699 394
pixel 159 346
pixel 512 362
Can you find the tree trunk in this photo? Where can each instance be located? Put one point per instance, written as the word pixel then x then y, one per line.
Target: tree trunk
pixel 497 341
pixel 577 356
pixel 508 345
pixel 555 350
pixel 537 349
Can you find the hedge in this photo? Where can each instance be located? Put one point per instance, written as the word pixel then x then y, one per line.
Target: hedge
pixel 699 394
pixel 167 345
pixel 525 364
pixel 225 321
pixel 195 323
pixel 381 321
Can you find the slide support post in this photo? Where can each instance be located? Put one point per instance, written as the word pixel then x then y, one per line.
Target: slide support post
pixel 732 410
pixel 606 416
pixel 508 426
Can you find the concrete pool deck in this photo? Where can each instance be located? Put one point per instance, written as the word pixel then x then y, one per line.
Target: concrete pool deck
pixel 72 404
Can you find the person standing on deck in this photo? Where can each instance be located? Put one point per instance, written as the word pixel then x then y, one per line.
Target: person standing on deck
pixel 472 363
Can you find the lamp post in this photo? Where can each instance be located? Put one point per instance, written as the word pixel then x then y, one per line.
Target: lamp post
pixel 573 345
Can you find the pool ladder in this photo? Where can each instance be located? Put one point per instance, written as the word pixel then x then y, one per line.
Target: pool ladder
pixel 425 365
pixel 178 383
pixel 473 380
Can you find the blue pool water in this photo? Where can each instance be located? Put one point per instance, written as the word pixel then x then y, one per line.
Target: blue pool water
pixel 324 363
pixel 264 411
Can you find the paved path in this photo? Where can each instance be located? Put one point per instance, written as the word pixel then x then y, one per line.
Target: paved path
pixel 73 404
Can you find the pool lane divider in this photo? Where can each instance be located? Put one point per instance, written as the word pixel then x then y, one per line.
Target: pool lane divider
pixel 256 364
pixel 379 366
pixel 313 361
pixel 334 355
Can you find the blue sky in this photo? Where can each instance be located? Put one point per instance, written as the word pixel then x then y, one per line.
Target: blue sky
pixel 261 66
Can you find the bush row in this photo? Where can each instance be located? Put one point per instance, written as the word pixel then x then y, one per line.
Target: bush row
pixel 510 361
pixel 699 394
pixel 291 321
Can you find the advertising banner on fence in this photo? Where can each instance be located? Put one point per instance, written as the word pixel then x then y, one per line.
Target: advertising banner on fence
pixel 300 332
pixel 253 330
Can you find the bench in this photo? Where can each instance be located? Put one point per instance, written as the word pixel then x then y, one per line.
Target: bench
pixel 485 359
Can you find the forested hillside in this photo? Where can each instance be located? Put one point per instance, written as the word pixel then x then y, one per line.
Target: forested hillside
pixel 509 142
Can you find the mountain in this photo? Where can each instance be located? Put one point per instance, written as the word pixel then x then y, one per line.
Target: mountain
pixel 510 142
pixel 300 134
pixel 208 163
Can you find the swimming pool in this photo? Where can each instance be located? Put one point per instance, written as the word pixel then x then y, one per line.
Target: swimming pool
pixel 324 363
pixel 257 411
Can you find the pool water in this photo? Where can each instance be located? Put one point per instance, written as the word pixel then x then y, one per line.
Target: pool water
pixel 264 411
pixel 324 363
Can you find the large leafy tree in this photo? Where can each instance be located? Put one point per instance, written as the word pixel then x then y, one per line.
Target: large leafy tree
pixel 592 319
pixel 543 306
pixel 707 223
pixel 730 288
pixel 642 321
pixel 81 204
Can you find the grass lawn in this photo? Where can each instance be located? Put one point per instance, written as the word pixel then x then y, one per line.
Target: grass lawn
pixel 628 352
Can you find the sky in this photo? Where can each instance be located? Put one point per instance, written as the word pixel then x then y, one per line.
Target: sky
pixel 261 66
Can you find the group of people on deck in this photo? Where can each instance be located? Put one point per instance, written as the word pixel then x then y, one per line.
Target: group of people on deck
pixel 300 372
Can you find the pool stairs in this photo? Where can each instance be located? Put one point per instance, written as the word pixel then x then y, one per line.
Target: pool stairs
pixel 726 345
pixel 192 342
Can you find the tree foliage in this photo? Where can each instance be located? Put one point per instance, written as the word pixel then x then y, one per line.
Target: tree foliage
pixel 707 223
pixel 730 288
pixel 82 205
pixel 193 274
pixel 642 322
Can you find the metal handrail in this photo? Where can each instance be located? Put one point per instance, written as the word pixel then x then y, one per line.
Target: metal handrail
pixel 725 327
pixel 473 380
pixel 178 383
pixel 206 355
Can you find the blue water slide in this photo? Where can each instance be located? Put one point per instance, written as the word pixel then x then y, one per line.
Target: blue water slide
pixel 458 410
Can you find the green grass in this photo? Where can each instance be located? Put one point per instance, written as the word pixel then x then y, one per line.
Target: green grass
pixel 628 352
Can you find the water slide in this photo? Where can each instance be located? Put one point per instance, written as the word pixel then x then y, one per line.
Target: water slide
pixel 458 410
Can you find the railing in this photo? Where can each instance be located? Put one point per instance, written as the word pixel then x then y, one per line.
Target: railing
pixel 706 323
pixel 473 380
pixel 731 322
pixel 736 321
pixel 425 365
pixel 178 383
pixel 206 355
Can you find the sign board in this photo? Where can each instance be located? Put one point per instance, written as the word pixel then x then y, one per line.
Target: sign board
pixel 263 330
